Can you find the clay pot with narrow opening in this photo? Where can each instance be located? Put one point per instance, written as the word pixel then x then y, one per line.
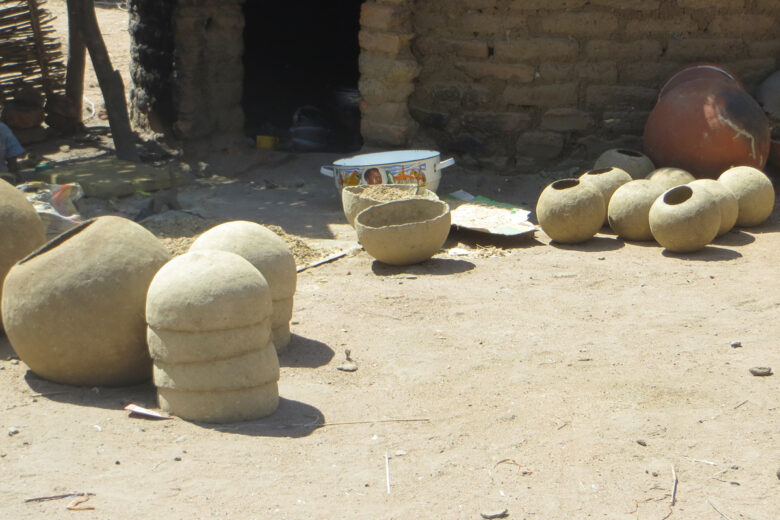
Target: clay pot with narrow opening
pixel 607 180
pixel 685 218
pixel 269 254
pixel 705 127
pixel 571 211
pixel 668 178
pixel 636 164
pixel 754 192
pixel 725 199
pixel 629 208
pixel 74 309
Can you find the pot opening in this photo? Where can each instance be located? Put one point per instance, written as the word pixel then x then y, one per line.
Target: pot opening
pixel 678 195
pixel 565 184
pixel 599 172
pixel 59 239
pixel 630 153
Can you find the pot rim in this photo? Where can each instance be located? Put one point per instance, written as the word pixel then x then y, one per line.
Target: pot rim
pixel 445 209
pixel 383 158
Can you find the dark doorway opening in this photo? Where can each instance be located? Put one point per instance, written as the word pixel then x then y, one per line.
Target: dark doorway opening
pixel 301 73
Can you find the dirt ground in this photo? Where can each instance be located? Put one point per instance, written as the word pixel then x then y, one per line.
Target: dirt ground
pixel 553 382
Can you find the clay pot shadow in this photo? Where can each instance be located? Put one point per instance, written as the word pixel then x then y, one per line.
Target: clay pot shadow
pixel 292 419
pixel 434 266
pixel 734 238
pixel 708 254
pixel 592 244
pixel 113 398
pixel 6 350
pixel 305 352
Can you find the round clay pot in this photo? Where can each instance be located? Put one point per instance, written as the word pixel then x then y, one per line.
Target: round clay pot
pixel 607 180
pixel 629 208
pixel 21 230
pixel 636 164
pixel 754 192
pixel 570 211
pixel 668 178
pixel 685 218
pixel 73 309
pixel 699 71
pixel 269 254
pixel 726 201
pixel 404 232
pixel 355 199
pixel 705 127
pixel 768 95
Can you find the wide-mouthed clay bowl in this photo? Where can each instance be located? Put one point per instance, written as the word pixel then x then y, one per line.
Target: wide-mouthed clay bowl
pixel 404 232
pixel 355 199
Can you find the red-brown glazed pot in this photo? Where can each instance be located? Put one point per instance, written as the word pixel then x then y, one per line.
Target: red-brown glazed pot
pixel 694 71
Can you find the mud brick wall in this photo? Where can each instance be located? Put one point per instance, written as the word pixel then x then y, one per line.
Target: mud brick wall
pixel 522 82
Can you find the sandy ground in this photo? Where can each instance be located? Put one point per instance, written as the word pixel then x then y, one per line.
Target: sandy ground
pixel 553 382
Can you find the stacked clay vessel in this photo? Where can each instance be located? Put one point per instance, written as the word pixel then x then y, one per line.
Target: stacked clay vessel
pixel 21 231
pixel 570 211
pixel 74 309
pixel 270 255
pixel 209 334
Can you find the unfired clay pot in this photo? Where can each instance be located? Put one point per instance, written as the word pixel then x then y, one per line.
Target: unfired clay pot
pixel 754 192
pixel 355 199
pixel 209 331
pixel 570 211
pixel 685 218
pixel 636 164
pixel 629 208
pixel 21 231
pixel 269 253
pixel 607 180
pixel 705 127
pixel 726 201
pixel 668 178
pixel 73 309
pixel 404 232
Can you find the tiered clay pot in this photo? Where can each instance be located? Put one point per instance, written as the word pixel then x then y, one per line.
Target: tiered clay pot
pixel 209 333
pixel 570 211
pixel 269 253
pixel 668 178
pixel 685 218
pixel 754 192
pixel 636 164
pixel 607 180
pixel 629 208
pixel 21 231
pixel 726 201
pixel 73 309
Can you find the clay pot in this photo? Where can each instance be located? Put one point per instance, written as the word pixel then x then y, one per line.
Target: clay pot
pixel 629 208
pixel 668 178
pixel 636 164
pixel 404 232
pixel 685 218
pixel 209 330
pixel 21 230
pixel 570 211
pixel 726 201
pixel 355 199
pixel 699 71
pixel 269 254
pixel 705 127
pixel 754 192
pixel 607 180
pixel 73 309
pixel 768 95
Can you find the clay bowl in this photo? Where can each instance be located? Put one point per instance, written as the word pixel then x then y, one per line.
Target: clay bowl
pixel 404 232
pixel 355 199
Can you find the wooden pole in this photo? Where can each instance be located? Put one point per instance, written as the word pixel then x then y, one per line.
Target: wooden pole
pixel 77 55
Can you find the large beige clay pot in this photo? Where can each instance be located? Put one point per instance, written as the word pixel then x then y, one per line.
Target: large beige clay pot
pixel 685 218
pixel 570 211
pixel 21 231
pixel 209 330
pixel 74 309
pixel 636 164
pixel 629 208
pixel 726 201
pixel 754 192
pixel 405 231
pixel 355 199
pixel 607 180
pixel 668 178
pixel 269 253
